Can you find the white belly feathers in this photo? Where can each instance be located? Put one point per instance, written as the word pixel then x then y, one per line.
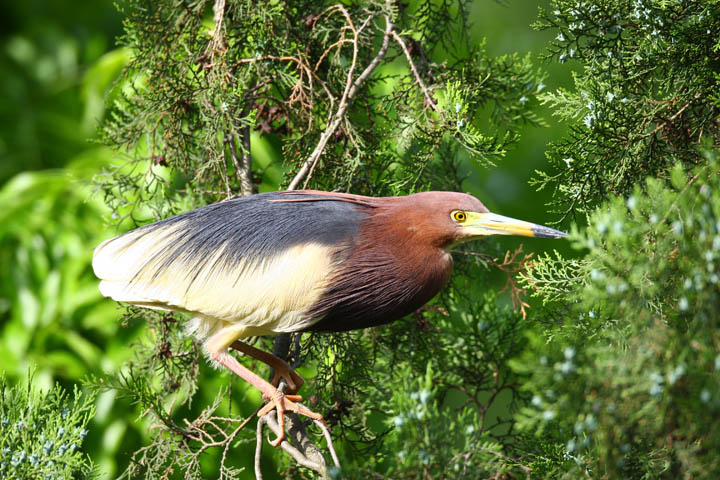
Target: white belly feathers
pixel 230 300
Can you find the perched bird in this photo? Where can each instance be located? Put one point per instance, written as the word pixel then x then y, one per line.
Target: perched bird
pixel 295 261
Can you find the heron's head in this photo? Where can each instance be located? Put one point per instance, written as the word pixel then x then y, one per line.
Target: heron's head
pixel 449 218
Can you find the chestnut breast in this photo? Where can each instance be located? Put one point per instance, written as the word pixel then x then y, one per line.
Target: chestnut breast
pixel 397 262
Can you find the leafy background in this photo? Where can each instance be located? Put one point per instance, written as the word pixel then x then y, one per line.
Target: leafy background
pixel 61 67
pixel 621 355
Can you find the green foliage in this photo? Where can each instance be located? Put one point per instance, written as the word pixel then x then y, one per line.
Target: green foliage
pixel 41 432
pixel 623 367
pixel 614 374
pixel 198 90
pixel 368 97
pixel 648 69
pixel 628 380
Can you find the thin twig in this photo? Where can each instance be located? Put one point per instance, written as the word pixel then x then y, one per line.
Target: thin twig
pixel 351 90
pixel 328 438
pixel 258 448
pixel 428 98
pixel 670 120
pixel 510 266
pixel 309 73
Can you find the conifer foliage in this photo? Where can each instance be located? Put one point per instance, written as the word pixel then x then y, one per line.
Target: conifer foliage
pixel 613 371
pixel 376 98
pixel 41 433
pixel 624 372
pixel 641 98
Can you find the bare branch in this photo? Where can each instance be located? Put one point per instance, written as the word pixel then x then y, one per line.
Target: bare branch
pixel 429 100
pixel 302 449
pixel 511 265
pixel 351 89
pixel 302 66
pixel 217 42
pixel 243 166
pixel 308 455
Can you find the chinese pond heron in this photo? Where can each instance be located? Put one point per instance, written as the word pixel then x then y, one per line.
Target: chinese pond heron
pixel 295 261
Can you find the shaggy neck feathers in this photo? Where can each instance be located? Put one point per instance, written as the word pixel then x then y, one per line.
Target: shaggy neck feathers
pixel 397 265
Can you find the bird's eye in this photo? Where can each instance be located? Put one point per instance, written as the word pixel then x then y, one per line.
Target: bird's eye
pixel 459 216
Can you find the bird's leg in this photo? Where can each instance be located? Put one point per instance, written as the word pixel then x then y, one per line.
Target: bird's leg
pixel 279 366
pixel 270 394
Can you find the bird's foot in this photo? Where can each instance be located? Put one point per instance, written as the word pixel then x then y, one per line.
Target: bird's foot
pixel 282 403
pixel 292 379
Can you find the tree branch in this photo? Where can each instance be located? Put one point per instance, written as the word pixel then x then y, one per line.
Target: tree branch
pixel 302 449
pixel 429 100
pixel 351 90
pixel 217 42
pixel 243 165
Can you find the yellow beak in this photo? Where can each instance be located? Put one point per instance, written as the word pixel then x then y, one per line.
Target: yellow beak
pixel 482 224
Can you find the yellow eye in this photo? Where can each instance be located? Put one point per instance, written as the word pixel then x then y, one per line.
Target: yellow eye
pixel 459 216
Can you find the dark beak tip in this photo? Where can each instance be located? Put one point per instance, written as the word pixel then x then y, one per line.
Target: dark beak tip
pixel 545 232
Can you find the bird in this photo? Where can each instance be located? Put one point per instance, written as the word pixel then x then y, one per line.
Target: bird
pixel 295 261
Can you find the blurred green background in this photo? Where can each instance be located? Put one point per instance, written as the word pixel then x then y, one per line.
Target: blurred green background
pixel 60 64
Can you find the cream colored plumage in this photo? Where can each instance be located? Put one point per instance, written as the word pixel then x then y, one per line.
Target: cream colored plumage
pixel 256 296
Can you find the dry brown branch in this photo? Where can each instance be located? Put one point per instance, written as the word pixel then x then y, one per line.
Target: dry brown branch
pixel 510 266
pixel 327 51
pixel 351 89
pixel 669 121
pixel 429 100
pixel 304 69
pixel 217 39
